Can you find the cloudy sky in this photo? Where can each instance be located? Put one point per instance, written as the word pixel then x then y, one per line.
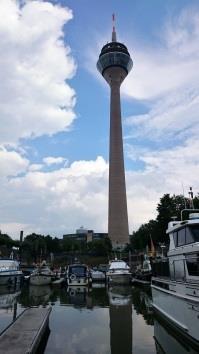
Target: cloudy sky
pixel 54 110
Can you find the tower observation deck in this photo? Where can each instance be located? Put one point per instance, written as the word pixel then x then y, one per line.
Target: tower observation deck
pixel 114 64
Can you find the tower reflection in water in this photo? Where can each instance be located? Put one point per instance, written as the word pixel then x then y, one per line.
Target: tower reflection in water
pixel 120 310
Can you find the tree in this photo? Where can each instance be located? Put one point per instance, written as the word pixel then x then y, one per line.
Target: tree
pixel 167 208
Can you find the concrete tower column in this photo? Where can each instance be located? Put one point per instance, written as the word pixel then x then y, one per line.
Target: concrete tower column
pixel 114 64
pixel 117 211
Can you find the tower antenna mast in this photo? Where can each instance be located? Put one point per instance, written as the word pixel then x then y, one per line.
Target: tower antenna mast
pixel 114 38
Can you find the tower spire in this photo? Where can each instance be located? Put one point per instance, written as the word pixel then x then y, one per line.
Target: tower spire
pixel 114 39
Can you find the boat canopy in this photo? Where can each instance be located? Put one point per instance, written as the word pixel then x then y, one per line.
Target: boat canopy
pixel 118 265
pixel 8 264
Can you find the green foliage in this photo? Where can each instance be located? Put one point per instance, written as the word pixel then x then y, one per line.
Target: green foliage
pixel 168 207
pixel 6 244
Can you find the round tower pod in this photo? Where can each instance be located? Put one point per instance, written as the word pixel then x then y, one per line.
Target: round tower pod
pixel 114 54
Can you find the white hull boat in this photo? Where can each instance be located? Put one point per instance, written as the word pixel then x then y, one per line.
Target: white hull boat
pixel 168 341
pixel 118 273
pixel 77 275
pixel 41 276
pixel 97 276
pixel 40 279
pixel 175 281
pixel 9 272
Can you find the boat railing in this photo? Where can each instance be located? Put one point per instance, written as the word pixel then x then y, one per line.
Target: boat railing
pixel 161 269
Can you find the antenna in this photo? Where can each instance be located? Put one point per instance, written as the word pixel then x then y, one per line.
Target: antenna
pixel 191 197
pixel 114 39
pixel 185 204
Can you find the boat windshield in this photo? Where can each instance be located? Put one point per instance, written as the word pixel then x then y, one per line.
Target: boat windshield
pixel 8 264
pixel 186 235
pixel 80 271
pixel 195 232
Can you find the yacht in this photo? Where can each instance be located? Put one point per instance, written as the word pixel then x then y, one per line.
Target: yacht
pixel 97 275
pixel 118 272
pixel 175 280
pixel 10 274
pixel 168 341
pixel 42 275
pixel 77 274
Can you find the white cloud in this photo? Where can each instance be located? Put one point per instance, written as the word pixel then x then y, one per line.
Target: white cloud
pixel 12 163
pixel 165 77
pixel 35 167
pixel 50 160
pixel 165 140
pixel 34 64
pixel 171 65
pixel 57 202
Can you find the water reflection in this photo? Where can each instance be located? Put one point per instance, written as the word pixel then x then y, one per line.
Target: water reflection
pixel 8 296
pixel 39 295
pixel 96 320
pixel 120 311
pixel 8 305
pixel 79 296
pixel 142 302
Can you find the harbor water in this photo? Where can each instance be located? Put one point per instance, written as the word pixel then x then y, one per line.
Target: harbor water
pixel 96 320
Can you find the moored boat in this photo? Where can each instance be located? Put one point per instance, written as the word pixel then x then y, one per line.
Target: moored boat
pixel 42 275
pixel 143 273
pixel 10 274
pixel 77 274
pixel 175 280
pixel 97 275
pixel 118 272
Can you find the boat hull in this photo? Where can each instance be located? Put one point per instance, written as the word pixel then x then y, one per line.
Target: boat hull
pixel 181 311
pixel 11 278
pixel 117 278
pixel 77 281
pixel 98 276
pixel 40 279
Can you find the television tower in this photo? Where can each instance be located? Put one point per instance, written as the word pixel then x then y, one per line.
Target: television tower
pixel 114 64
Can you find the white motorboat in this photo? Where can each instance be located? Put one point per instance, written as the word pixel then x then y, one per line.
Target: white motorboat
pixel 77 274
pixel 118 272
pixel 175 281
pixel 168 341
pixel 97 275
pixel 10 274
pixel 42 275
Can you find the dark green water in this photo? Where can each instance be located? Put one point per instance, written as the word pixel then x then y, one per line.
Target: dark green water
pixel 96 320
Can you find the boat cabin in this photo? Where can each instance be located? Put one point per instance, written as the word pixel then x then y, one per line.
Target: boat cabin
pixel 77 274
pixel 182 263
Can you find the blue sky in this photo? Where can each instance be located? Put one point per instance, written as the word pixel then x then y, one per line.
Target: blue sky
pixel 54 110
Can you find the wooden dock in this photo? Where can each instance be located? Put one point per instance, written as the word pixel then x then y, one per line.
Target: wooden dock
pixel 25 334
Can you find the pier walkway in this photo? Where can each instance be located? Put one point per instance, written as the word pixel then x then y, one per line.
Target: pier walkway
pixel 24 335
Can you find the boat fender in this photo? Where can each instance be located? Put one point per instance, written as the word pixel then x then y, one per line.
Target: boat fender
pixel 72 277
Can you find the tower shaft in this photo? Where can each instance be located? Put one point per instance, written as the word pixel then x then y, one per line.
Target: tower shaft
pixel 114 64
pixel 117 216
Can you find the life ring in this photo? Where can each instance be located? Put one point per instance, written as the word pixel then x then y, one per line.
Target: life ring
pixel 72 277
